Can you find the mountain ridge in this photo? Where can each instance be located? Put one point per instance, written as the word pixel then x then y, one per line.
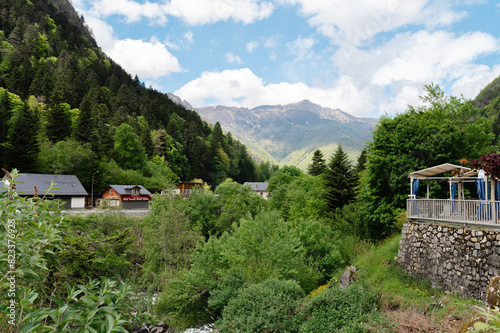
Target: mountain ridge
pixel 289 134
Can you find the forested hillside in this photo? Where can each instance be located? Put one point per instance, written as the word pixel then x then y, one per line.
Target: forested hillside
pixel 488 101
pixel 227 257
pixel 65 107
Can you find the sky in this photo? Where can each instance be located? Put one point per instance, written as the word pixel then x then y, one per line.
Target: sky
pixel 366 57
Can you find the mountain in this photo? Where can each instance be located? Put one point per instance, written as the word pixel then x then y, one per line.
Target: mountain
pixel 68 108
pixel 488 101
pixel 289 134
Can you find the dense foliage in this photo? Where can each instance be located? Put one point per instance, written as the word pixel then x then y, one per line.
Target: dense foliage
pixel 56 281
pixel 228 257
pixel 445 130
pixel 68 108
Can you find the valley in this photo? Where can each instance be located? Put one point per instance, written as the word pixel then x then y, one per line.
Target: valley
pixel 289 134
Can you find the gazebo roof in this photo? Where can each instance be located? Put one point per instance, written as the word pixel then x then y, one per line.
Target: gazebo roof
pixel 439 169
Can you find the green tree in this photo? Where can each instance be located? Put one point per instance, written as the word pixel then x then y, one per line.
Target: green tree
pixel 337 310
pixel 361 162
pixel 169 240
pixel 237 201
pixel 444 130
pixel 218 140
pixel 259 248
pixel 128 150
pixel 340 181
pixel 302 197
pixel 58 119
pixel 68 157
pixel 22 143
pixel 278 186
pixel 318 164
pixel 5 114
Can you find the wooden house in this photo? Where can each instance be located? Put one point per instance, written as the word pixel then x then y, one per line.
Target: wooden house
pixel 125 197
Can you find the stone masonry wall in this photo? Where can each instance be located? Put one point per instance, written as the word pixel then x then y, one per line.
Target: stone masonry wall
pixel 460 259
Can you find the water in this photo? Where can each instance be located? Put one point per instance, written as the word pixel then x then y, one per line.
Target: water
pixel 204 329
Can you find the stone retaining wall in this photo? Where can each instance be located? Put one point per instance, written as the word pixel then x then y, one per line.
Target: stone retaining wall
pixel 461 259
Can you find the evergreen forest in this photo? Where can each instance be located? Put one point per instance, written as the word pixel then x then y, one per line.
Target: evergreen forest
pixel 67 108
pixel 225 258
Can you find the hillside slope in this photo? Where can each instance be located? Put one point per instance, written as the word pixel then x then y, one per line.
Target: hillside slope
pixel 288 134
pixel 70 100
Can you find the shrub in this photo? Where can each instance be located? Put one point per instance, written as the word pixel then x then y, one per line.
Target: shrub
pixel 336 309
pixel 264 307
pixel 35 234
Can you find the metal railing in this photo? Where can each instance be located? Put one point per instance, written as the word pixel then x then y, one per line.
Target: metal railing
pixel 463 211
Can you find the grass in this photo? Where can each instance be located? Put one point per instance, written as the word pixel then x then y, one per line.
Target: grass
pixel 408 303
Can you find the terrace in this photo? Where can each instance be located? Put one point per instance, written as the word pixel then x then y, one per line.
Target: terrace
pixel 482 211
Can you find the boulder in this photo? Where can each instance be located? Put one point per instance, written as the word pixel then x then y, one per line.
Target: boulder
pixel 348 277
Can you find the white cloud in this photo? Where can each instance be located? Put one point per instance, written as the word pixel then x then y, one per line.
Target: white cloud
pixel 403 65
pixel 132 10
pixel 233 59
pixel 193 12
pixel 356 21
pixel 243 88
pixel 301 47
pixel 174 42
pixel 473 79
pixel 188 36
pixel 387 78
pixel 425 56
pixel 251 46
pixel 198 12
pixel 146 59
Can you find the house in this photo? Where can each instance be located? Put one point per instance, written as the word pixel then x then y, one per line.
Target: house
pixel 259 188
pixel 184 189
pixel 70 192
pixel 125 197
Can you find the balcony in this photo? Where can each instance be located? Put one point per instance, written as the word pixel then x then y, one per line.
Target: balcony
pixel 480 212
pixel 455 209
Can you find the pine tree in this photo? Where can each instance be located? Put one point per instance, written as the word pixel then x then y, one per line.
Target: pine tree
pixel 318 164
pixel 217 138
pixel 5 119
pixel 360 166
pixel 23 145
pixel 58 121
pixel 340 181
pixel 128 150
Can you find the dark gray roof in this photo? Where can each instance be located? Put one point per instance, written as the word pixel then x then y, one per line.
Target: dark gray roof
pixel 69 184
pixel 258 186
pixel 125 189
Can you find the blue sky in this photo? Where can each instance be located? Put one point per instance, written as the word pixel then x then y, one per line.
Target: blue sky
pixel 366 57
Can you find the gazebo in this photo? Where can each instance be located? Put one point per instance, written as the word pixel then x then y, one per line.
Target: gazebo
pixel 455 208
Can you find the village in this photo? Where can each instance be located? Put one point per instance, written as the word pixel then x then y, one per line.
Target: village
pixel 72 196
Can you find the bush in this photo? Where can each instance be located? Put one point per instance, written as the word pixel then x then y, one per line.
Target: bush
pixel 39 249
pixel 337 309
pixel 322 247
pixel 265 307
pixel 258 249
